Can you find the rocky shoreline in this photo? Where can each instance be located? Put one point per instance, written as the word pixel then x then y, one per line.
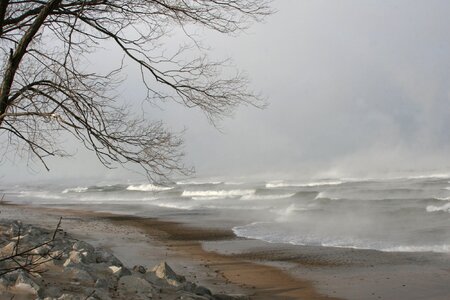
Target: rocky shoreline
pixel 37 263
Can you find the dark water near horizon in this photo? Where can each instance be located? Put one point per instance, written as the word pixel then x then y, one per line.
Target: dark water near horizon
pixel 396 214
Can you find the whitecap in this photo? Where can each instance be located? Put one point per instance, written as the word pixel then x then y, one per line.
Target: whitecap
pixel 148 188
pixel 434 208
pixel 217 193
pixel 79 189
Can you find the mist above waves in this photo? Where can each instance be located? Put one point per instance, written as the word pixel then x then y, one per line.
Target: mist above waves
pixel 389 214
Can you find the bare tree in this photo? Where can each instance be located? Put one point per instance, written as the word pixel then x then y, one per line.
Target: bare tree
pixel 47 89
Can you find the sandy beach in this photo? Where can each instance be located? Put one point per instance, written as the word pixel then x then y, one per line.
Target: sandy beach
pixel 226 264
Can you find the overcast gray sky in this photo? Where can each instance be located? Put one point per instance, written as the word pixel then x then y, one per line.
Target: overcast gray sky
pixel 356 88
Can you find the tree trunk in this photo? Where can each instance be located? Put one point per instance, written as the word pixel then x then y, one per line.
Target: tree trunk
pixel 17 54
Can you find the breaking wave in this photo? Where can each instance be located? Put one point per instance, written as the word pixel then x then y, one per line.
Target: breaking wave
pixel 218 193
pixel 434 208
pixel 148 188
pixel 79 189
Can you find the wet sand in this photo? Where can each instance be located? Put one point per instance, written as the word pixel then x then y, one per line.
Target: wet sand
pixel 156 240
pixel 261 281
pixel 219 260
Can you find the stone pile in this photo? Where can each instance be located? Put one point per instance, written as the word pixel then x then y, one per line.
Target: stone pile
pixel 66 269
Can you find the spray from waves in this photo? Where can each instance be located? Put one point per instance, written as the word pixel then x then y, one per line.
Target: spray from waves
pixel 266 197
pixel 325 195
pixel 148 188
pixel 218 193
pixel 434 208
pixel 79 189
pixel 280 184
pixel 285 213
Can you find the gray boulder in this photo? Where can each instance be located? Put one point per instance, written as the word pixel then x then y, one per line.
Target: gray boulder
pixel 134 284
pixel 202 291
pixel 80 275
pixel 83 246
pixel 25 284
pixel 164 271
pixel 103 256
pixel 139 269
pixel 119 271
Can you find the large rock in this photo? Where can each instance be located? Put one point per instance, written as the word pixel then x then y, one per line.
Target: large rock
pixel 134 284
pixel 14 228
pixel 119 271
pixel 139 269
pixel 101 283
pixel 25 284
pixel 80 275
pixel 10 278
pixel 164 271
pixel 43 250
pixel 75 258
pixel 103 256
pixel 202 291
pixel 83 246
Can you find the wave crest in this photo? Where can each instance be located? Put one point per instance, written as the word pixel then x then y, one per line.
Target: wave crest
pixel 79 189
pixel 218 193
pixel 148 188
pixel 434 208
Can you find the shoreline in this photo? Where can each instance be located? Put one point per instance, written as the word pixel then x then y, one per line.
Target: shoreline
pixel 264 282
pixel 218 259
pixel 228 273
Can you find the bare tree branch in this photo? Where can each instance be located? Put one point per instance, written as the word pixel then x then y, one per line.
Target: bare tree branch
pixel 46 91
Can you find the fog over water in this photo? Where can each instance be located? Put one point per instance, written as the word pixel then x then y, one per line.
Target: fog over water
pixel 355 89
